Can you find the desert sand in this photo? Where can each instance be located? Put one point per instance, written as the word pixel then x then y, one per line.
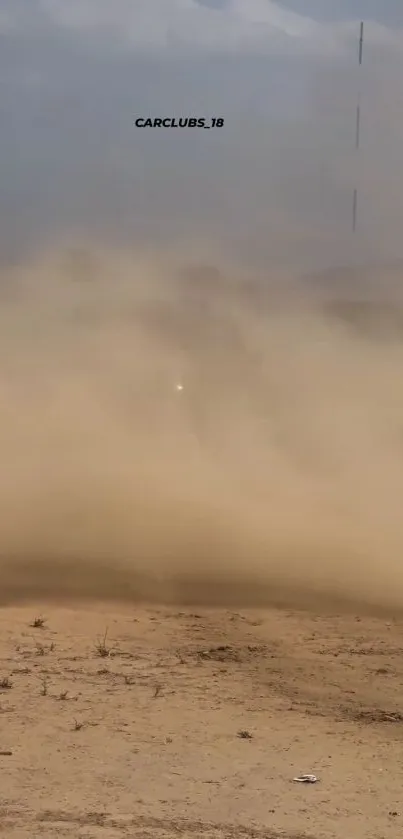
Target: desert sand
pixel 140 734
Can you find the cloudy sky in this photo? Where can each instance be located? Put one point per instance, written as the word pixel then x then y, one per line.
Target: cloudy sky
pixel 276 179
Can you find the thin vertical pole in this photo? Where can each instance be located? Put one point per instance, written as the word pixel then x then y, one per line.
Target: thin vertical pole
pixel 357 124
pixel 355 196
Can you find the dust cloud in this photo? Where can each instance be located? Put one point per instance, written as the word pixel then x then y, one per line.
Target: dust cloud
pixel 182 433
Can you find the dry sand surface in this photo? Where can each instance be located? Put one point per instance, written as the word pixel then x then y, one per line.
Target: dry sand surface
pixel 144 740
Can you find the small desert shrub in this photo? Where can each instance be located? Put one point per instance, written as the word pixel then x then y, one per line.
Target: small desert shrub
pixel 101 647
pixel 38 622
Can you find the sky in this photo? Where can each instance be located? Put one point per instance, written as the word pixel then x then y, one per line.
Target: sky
pixel 275 182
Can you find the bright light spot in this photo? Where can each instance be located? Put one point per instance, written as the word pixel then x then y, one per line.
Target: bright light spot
pixel 179 387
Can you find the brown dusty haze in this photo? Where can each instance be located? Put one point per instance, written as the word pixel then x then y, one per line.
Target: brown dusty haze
pixel 185 448
pixel 276 467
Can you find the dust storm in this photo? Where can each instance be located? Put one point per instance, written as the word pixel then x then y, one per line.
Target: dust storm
pixel 182 433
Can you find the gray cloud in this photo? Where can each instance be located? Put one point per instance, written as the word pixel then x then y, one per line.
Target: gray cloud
pixel 177 27
pixel 387 12
pixel 277 179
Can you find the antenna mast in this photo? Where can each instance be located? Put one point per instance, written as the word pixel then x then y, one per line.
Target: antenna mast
pixel 357 124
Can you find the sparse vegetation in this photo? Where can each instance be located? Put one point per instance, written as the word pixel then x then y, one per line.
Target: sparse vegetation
pixel 180 657
pixel 223 653
pixel 101 647
pixel 42 650
pixel 252 677
pixel 245 735
pixel 38 622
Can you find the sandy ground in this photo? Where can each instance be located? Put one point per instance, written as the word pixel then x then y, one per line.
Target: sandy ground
pixel 144 740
